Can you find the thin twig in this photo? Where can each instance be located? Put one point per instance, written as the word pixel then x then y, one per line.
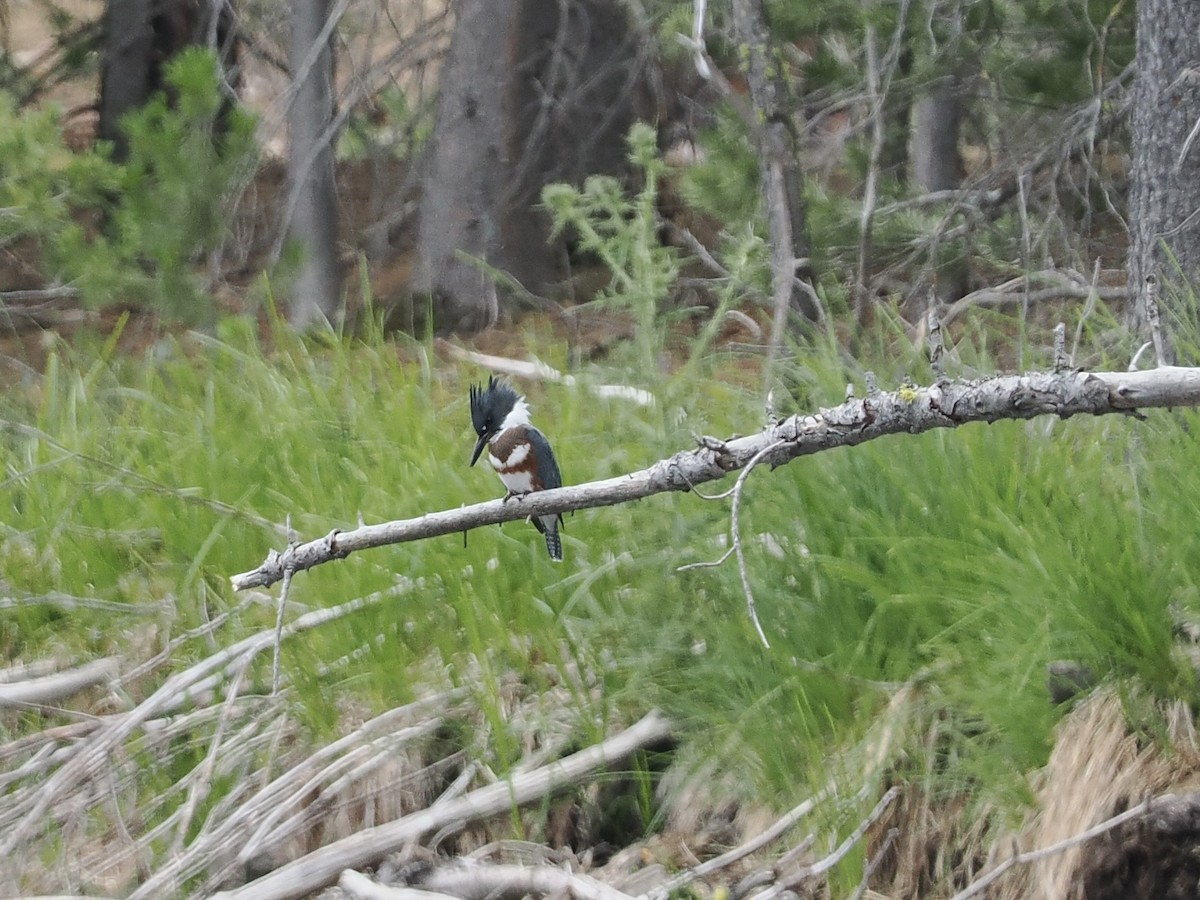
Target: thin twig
pixel 200 785
pixel 874 862
pixel 878 86
pixel 1026 260
pixel 1137 357
pixel 1154 320
pixel 735 534
pixel 1021 859
pixel 821 866
pixel 781 827
pixel 1088 308
pixel 281 605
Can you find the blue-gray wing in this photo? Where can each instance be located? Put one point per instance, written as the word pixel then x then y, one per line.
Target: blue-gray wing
pixel 547 474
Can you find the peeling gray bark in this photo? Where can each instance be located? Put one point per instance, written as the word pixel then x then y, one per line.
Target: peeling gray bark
pixel 1164 195
pixel 317 293
pixel 946 404
pixel 782 180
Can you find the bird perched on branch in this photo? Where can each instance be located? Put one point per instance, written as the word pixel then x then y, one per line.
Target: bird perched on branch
pixel 518 452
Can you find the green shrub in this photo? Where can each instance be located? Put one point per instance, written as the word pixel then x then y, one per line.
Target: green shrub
pixel 138 233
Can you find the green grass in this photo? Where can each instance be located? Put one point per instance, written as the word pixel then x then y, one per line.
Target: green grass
pixel 964 560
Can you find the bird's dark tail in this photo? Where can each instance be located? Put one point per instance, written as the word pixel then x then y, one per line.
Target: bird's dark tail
pixel 554 543
pixel 548 525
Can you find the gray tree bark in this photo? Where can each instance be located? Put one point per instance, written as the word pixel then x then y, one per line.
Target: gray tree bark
pixel 779 170
pixel 127 72
pixel 533 91
pixel 937 164
pixel 1164 200
pixel 936 124
pixel 140 37
pixel 316 295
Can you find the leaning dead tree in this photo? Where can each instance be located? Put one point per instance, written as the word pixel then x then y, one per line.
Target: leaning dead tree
pixel 911 410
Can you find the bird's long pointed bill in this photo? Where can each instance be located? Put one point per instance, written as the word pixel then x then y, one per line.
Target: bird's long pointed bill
pixel 479 445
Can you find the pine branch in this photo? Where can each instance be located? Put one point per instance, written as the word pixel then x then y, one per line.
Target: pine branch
pixel 911 410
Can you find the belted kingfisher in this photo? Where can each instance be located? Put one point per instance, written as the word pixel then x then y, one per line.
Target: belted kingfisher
pixel 518 452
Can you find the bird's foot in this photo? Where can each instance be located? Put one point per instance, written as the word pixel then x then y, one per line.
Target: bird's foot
pixel 520 495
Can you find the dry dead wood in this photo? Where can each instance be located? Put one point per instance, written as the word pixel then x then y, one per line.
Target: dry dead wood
pixel 50 688
pixel 367 847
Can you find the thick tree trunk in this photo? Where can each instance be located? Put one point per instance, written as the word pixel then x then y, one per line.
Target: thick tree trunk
pixel 533 91
pixel 1164 223
pixel 316 296
pixel 937 166
pixel 936 124
pixel 128 73
pixel 778 163
pixel 140 36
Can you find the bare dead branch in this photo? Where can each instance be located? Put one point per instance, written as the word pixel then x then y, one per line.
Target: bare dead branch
pixel 736 536
pixel 359 887
pixel 877 748
pixel 821 866
pixel 1013 292
pixel 540 370
pixel 481 881
pixel 319 868
pixel 90 754
pixel 280 608
pixel 911 410
pixel 874 862
pixel 781 827
pixel 1141 811
pixel 878 85
pixel 51 688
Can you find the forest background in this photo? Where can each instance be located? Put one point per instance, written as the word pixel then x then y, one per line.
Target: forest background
pixel 253 254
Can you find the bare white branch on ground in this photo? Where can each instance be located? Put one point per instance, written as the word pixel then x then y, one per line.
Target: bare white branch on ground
pixel 948 404
pixel 823 865
pixel 480 881
pixel 321 867
pixel 874 862
pixel 1169 813
pixel 28 810
pixel 359 887
pixel 781 827
pixel 52 688
pixel 877 748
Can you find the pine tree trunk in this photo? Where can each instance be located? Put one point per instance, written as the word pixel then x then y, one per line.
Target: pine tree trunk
pixel 779 170
pixel 140 37
pixel 532 91
pixel 316 295
pixel 1164 202
pixel 937 166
